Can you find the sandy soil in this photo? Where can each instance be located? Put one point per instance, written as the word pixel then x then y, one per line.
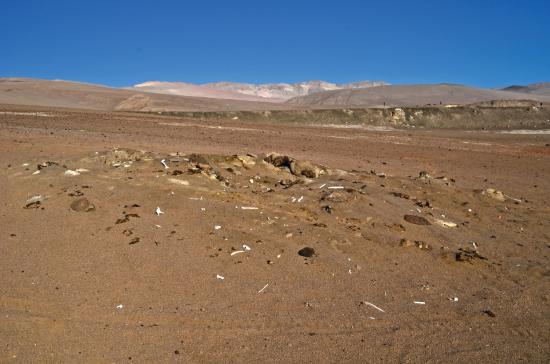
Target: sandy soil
pixel 90 273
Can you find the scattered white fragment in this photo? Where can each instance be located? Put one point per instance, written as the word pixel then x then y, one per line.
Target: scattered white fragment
pixel 323 185
pixel 246 247
pixel 119 307
pixel 158 211
pixel 196 198
pixel 336 187
pixel 203 209
pixel 278 256
pixel 164 163
pixel 301 198
pixel 261 290
pixel 444 223
pixel 36 172
pixel 373 306
pixel 454 299
pixel 475 245
pixel 293 199
pixel 179 182
pixel 82 170
pixel 158 226
pixel 251 180
pixel 419 302
pixel 217 227
pixel 237 252
pixel 71 173
pixel 248 208
pixel 25 165
pixel 372 318
pixel 220 277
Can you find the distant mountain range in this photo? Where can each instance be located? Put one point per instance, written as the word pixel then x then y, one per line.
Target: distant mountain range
pixel 229 96
pixel 270 92
pixel 542 88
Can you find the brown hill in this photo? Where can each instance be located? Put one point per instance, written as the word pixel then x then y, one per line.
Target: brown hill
pixel 24 91
pixel 408 95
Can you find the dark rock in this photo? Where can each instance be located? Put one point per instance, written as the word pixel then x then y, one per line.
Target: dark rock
pixel 417 220
pixel 489 313
pixel 307 252
pixel 468 255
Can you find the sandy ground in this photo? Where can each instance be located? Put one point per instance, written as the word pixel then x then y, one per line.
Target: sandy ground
pixel 90 273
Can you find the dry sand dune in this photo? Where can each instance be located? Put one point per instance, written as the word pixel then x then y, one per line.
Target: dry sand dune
pixel 20 91
pixel 408 95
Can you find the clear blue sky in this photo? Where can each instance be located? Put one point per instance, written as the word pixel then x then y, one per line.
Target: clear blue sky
pixel 119 43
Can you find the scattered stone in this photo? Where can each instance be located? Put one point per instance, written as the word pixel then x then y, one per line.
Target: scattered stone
pixel 416 220
pixel 468 255
pixel 424 175
pixel 82 205
pixel 126 218
pixel 406 243
pixel 448 224
pixel 46 164
pixel 305 168
pixel 134 241
pixel 401 195
pixel 34 201
pixel 307 252
pixel 495 194
pixel 71 173
pixel 489 313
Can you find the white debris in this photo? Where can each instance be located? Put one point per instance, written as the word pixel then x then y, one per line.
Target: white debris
pixel 217 227
pixel 444 223
pixel 158 211
pixel 36 172
pixel 158 226
pixel 261 290
pixel 373 306
pixel 196 198
pixel 336 187
pixel 25 165
pixel 301 198
pixel 279 256
pixel 82 170
pixel 71 173
pixel 248 208
pixel 220 277
pixel 164 163
pixel 237 252
pixel 419 302
pixel 246 247
pixel 323 185
pixel 179 182
pixel 119 307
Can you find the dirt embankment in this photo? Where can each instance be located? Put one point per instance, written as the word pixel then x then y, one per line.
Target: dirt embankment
pixel 449 117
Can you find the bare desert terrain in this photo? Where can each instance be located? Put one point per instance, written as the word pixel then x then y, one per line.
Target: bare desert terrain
pixel 132 237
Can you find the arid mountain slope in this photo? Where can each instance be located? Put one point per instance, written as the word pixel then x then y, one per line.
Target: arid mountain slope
pixel 408 95
pixel 273 92
pixel 23 91
pixel 542 88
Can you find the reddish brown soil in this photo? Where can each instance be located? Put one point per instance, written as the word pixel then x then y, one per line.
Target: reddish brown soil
pixel 79 287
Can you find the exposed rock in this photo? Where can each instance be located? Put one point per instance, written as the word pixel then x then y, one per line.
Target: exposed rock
pixel 424 175
pixel 307 252
pixel 34 201
pixel 467 255
pixel 82 205
pixel 305 169
pixel 406 243
pixel 495 194
pixel 417 220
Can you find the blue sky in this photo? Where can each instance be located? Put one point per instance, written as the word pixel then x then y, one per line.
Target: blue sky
pixel 118 43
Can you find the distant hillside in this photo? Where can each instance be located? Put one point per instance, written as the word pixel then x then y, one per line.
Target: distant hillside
pixel 408 95
pixel 271 92
pixel 542 88
pixel 24 91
